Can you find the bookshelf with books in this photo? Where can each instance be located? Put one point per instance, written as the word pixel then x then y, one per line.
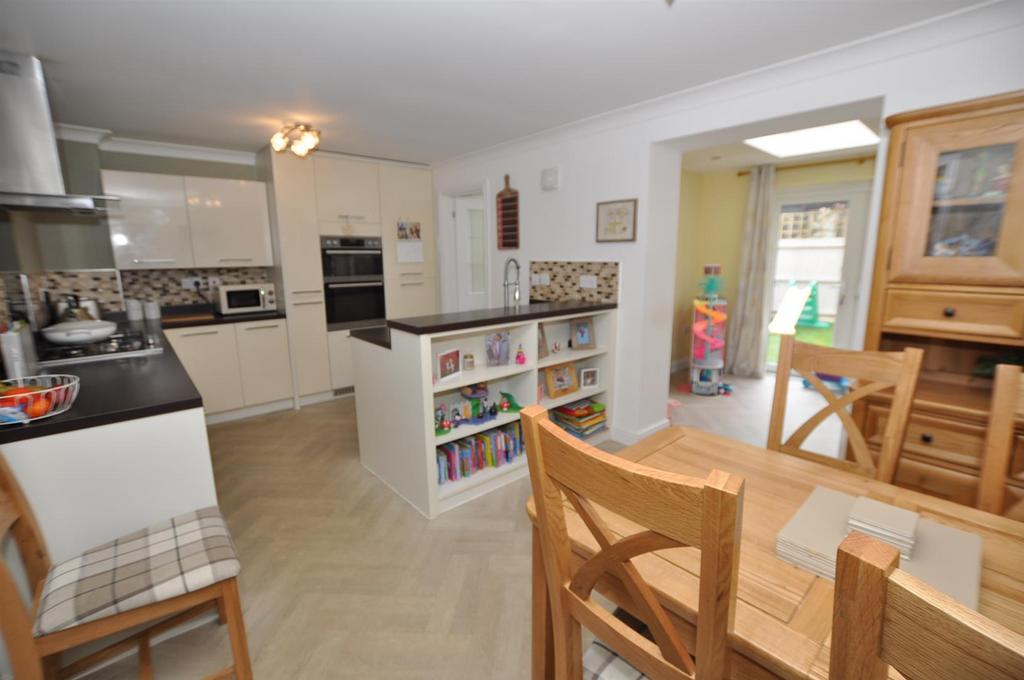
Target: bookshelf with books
pixel 442 430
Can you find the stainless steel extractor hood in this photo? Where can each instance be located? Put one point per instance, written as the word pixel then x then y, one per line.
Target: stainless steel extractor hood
pixel 30 176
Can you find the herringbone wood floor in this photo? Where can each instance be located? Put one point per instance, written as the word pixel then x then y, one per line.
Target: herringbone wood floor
pixel 342 579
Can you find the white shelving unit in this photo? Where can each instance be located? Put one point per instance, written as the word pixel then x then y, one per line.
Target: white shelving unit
pixel 397 394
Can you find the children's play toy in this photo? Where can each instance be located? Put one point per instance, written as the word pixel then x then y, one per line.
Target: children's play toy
pixel 707 347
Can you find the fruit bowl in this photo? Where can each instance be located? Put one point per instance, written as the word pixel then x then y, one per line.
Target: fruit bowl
pixel 23 400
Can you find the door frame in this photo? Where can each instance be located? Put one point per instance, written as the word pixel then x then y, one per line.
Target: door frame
pixel 447 255
pixel 858 194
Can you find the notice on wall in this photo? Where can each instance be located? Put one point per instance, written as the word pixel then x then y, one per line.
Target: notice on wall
pixel 410 243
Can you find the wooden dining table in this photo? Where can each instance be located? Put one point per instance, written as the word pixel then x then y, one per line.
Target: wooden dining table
pixel 783 613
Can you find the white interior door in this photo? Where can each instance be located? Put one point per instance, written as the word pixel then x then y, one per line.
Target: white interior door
pixel 470 252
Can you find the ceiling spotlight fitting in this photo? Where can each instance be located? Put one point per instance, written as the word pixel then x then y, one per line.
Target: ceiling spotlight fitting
pixel 300 138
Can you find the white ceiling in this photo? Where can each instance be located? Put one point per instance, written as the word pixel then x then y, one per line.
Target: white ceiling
pixel 419 81
pixel 725 149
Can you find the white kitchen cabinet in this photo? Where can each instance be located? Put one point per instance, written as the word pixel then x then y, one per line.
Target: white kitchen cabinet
pixel 340 347
pixel 229 222
pixel 209 355
pixel 263 360
pixel 347 196
pixel 407 193
pixel 308 322
pixel 410 294
pixel 149 226
pixel 295 226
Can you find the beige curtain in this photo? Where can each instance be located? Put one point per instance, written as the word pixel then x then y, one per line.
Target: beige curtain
pixel 748 318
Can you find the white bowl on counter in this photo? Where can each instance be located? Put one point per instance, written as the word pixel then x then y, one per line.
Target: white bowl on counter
pixel 79 332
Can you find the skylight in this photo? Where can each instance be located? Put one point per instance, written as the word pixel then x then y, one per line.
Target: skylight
pixel 847 135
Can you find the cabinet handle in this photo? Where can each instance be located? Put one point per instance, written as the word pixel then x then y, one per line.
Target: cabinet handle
pixel 259 328
pixel 361 251
pixel 308 302
pixel 949 312
pixel 367 284
pixel 352 217
pixel 234 259
pixel 927 438
pixel 411 274
pixel 154 260
pixel 411 283
pixel 192 335
pixel 311 290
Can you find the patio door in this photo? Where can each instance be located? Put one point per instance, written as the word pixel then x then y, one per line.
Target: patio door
pixel 822 229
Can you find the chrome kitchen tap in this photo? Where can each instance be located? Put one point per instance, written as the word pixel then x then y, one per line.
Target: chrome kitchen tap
pixel 508 284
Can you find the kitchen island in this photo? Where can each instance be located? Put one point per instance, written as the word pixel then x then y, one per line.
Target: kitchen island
pixel 406 380
pixel 131 451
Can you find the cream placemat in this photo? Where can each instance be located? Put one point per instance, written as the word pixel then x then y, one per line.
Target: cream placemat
pixel 947 559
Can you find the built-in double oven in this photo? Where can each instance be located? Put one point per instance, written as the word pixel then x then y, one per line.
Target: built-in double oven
pixel 353 281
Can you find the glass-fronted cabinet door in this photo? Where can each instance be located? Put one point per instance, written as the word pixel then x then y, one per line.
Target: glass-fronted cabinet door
pixel 960 209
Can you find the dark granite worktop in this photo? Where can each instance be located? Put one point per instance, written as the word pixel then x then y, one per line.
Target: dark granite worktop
pixel 184 316
pixel 117 390
pixel 440 323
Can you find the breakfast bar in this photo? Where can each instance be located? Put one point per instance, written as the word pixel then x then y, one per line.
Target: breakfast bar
pixel 415 373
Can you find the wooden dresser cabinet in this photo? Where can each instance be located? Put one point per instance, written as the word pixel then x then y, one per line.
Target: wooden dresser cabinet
pixel 949 278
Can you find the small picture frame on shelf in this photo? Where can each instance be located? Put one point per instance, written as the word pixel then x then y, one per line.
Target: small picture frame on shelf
pixel 449 364
pixel 468 362
pixel 542 342
pixel 581 331
pixel 590 377
pixel 498 348
pixel 561 380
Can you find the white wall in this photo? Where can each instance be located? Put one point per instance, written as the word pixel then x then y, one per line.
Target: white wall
pixel 635 153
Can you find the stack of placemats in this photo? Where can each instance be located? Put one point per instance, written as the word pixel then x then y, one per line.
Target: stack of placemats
pixel 947 559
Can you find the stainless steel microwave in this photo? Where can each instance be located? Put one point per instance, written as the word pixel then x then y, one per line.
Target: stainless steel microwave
pixel 246 298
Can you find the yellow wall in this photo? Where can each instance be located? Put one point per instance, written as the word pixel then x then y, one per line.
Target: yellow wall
pixel 711 210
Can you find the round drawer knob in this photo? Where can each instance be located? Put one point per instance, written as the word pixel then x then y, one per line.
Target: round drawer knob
pixel 926 438
pixel 949 312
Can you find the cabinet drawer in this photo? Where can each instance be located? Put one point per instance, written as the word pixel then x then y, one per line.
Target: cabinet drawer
pixel 935 481
pixel 932 438
pixel 991 316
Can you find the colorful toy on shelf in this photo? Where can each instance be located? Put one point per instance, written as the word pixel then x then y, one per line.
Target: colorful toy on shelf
pixel 511 399
pixel 504 405
pixel 474 391
pixel 520 356
pixel 707 347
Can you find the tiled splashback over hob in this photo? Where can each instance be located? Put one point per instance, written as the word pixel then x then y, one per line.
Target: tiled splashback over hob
pixel 564 285
pixel 105 286
pixel 165 284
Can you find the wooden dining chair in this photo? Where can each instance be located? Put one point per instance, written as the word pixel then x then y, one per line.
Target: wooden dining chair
pixel 874 372
pixel 179 569
pixel 676 511
pixel 1007 405
pixel 882 616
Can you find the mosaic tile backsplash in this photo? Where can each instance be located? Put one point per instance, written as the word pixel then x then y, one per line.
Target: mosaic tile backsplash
pixel 165 284
pixel 565 281
pixel 105 286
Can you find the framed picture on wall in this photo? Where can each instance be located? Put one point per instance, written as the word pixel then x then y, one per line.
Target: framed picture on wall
pixel 616 221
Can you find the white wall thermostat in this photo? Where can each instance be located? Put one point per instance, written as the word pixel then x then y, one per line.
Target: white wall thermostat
pixel 549 179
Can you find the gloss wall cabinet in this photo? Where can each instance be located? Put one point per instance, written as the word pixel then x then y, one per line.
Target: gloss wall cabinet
pixel 347 196
pixel 229 222
pixel 149 226
pixel 176 222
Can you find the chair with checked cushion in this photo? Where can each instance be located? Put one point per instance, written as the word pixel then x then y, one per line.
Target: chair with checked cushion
pixel 672 511
pixel 169 573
